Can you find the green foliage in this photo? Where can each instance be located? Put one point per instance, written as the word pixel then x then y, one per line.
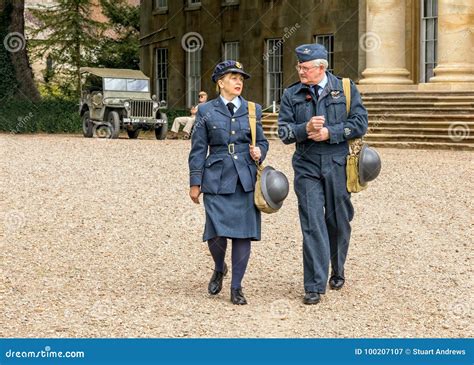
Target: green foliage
pixel 71 37
pixel 119 48
pixel 48 115
pixel 8 80
pixel 122 16
pixel 51 115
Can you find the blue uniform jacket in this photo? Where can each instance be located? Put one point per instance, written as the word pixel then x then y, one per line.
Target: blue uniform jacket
pixel 212 165
pixel 299 104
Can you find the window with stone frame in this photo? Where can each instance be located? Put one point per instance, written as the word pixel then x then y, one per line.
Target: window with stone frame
pixel 230 51
pixel 161 64
pixel 160 4
pixel 429 38
pixel 327 40
pixel 273 71
pixel 193 77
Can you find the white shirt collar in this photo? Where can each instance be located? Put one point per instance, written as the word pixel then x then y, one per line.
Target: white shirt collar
pixel 322 84
pixel 236 101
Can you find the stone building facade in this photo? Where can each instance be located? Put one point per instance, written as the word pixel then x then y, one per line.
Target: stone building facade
pixel 381 44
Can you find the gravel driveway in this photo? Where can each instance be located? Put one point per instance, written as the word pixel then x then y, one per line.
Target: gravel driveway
pixel 99 239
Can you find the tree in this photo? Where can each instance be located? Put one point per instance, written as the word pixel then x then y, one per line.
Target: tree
pixel 15 69
pixel 72 36
pixel 119 48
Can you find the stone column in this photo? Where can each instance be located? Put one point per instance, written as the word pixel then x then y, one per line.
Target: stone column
pixel 384 43
pixel 455 42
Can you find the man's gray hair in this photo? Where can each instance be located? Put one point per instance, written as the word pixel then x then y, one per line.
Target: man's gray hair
pixel 321 62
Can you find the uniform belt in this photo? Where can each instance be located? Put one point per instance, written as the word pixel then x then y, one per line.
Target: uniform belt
pixel 230 149
pixel 322 148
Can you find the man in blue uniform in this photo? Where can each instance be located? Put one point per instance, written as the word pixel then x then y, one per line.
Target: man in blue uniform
pixel 313 115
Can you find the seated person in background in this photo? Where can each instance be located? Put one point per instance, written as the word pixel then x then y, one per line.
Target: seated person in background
pixel 188 122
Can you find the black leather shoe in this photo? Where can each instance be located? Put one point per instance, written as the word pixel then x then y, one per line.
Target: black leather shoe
pixel 311 298
pixel 237 297
pixel 215 284
pixel 336 282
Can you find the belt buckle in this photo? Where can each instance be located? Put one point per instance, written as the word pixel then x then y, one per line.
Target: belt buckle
pixel 231 148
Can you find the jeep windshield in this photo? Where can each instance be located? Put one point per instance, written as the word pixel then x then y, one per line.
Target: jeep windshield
pixel 114 84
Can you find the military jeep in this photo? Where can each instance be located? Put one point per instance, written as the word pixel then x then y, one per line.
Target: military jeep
pixel 115 99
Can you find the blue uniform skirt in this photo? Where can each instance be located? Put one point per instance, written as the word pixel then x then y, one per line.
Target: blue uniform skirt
pixel 232 215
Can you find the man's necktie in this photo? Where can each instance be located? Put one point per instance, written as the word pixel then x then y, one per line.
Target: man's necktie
pixel 231 107
pixel 316 91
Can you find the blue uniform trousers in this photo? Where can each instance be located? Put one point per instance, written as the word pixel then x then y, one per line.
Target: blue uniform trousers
pixel 325 212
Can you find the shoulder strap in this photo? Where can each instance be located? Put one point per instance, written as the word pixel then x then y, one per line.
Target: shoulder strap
pixel 355 144
pixel 252 122
pixel 346 86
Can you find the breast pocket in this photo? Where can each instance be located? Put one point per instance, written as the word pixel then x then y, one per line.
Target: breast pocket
pixel 302 111
pixel 218 134
pixel 336 110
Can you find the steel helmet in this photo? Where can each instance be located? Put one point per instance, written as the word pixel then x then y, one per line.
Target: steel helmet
pixel 275 187
pixel 369 164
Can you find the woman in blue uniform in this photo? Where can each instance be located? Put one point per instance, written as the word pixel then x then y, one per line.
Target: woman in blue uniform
pixel 222 167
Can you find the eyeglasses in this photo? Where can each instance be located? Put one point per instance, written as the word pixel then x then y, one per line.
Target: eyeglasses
pixel 304 69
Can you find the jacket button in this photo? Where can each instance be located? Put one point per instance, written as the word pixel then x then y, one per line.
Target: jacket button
pixel 233 119
pixel 236 157
pixel 233 132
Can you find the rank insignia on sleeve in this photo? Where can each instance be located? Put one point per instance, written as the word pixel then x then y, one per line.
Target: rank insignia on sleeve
pixel 347 131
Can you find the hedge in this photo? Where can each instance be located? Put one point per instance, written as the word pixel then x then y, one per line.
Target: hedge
pixel 49 115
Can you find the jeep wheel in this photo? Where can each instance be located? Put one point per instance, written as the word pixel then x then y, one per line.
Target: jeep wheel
pixel 113 120
pixel 87 125
pixel 161 131
pixel 133 134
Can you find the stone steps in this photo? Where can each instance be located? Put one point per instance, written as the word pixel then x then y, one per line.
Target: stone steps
pixel 421 109
pixel 423 145
pixel 417 137
pixel 413 124
pixel 418 94
pixel 434 116
pixel 414 131
pixel 413 119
